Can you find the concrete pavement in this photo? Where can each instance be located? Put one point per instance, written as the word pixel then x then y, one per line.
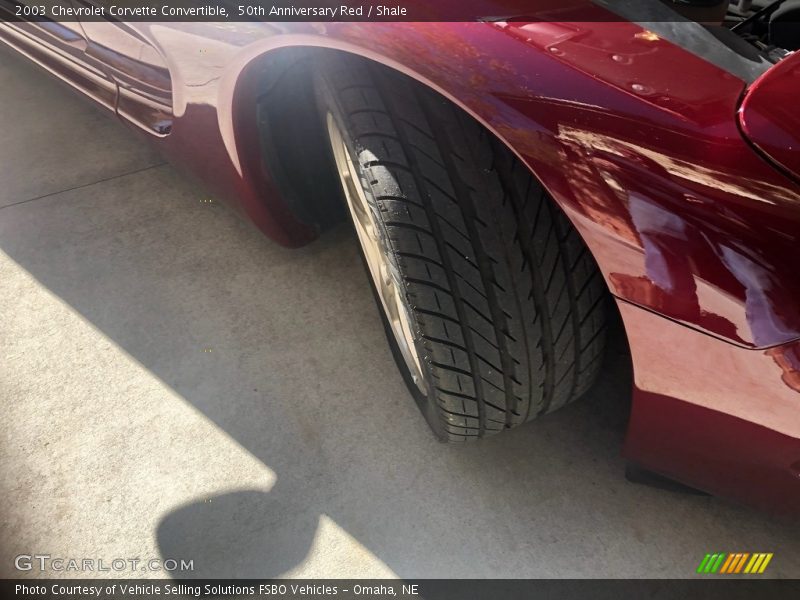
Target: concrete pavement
pixel 175 385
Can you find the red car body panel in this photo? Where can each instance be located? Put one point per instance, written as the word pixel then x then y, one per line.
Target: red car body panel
pixel 770 119
pixel 713 415
pixel 635 137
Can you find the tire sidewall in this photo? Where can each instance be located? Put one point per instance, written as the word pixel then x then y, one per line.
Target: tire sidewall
pixel 328 104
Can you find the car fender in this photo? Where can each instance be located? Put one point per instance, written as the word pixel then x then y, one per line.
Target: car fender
pixel 633 136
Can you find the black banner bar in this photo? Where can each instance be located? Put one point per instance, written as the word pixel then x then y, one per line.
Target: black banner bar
pixel 709 587
pixel 335 10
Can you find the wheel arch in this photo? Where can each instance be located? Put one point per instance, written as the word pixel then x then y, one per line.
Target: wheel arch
pixel 319 207
pixel 266 72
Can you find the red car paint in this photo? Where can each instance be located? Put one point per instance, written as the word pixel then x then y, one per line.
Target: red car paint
pixel 636 139
pixel 770 118
pixel 716 416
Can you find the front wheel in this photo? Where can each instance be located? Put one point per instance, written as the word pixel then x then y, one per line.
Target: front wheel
pixel 494 308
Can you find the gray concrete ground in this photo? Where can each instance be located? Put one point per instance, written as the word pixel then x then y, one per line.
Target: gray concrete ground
pixel 175 385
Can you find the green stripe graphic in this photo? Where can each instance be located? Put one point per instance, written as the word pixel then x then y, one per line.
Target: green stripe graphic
pixel 701 568
pixel 718 564
pixel 711 562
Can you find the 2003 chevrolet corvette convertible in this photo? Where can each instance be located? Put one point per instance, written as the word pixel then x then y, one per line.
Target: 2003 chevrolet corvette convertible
pixel 512 180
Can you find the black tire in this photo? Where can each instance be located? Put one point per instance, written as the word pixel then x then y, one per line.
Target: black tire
pixel 508 306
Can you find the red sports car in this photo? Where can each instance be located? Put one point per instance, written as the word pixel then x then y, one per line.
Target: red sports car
pixel 514 180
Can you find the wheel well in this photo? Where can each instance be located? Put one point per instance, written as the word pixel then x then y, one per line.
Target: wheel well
pixel 293 136
pixel 294 147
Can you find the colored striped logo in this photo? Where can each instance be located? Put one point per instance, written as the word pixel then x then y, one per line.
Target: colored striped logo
pixel 737 562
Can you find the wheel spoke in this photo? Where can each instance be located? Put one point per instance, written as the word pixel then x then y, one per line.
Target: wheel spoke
pixel 385 277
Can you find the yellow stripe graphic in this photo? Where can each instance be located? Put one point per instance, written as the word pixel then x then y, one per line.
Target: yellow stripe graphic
pixel 765 563
pixel 754 561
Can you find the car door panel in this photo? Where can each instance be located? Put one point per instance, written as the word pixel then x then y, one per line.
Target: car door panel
pixel 145 86
pixel 59 47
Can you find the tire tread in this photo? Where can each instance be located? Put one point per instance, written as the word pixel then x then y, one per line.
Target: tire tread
pixel 508 302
